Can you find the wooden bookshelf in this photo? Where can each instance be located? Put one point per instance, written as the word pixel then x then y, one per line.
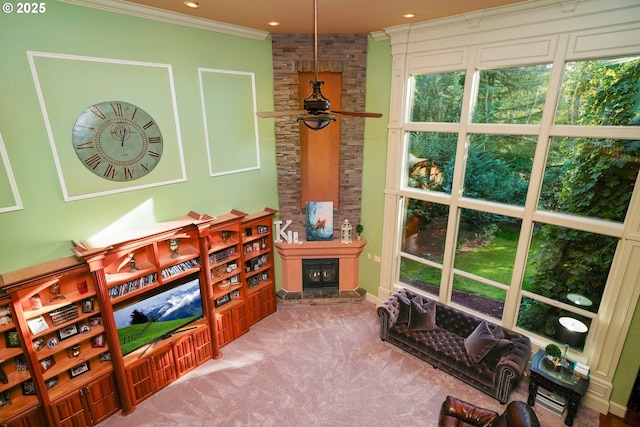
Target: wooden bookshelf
pixel 59 346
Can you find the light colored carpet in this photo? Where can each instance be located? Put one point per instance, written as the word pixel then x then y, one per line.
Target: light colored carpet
pixel 316 366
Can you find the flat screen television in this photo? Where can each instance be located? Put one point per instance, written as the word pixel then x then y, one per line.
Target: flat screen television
pixel 158 314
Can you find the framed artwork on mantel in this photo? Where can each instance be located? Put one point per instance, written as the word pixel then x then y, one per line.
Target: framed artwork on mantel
pixel 319 221
pixel 9 196
pixel 68 85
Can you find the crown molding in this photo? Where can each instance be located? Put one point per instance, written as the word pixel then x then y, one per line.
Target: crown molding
pixel 147 12
pixel 474 19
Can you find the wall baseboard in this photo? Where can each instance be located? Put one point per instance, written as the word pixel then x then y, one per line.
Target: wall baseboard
pixel 617 409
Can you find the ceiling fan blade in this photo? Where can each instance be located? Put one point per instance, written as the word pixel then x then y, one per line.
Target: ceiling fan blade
pixel 284 113
pixel 357 114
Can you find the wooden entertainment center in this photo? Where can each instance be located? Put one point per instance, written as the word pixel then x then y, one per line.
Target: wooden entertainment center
pixel 61 361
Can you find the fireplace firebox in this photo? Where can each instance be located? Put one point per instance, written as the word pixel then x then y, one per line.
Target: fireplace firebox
pixel 321 274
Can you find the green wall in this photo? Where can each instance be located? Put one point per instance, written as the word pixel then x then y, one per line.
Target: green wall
pixel 375 161
pixel 43 229
pixel 629 363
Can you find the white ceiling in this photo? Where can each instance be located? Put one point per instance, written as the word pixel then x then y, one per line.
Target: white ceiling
pixel 334 16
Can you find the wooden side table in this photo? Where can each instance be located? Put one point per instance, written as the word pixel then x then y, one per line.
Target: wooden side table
pixel 559 380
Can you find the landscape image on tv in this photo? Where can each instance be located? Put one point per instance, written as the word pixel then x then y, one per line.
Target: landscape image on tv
pixel 158 315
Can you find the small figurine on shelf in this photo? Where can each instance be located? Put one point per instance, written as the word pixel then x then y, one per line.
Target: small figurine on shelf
pixel 132 265
pixel 73 351
pixel 173 245
pixel 127 260
pixel 35 301
pixel 55 292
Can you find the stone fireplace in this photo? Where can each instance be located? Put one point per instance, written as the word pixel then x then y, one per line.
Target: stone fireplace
pixel 293 56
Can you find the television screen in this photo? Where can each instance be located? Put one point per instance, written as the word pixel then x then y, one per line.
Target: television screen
pixel 157 315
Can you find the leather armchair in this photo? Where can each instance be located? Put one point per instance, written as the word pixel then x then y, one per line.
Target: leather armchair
pixel 457 413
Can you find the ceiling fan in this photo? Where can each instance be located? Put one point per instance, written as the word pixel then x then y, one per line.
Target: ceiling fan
pixel 317 113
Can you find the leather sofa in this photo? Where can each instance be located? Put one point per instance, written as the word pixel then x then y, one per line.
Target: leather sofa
pixel 448 341
pixel 457 413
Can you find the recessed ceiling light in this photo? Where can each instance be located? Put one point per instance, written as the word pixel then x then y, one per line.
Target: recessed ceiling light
pixel 274 23
pixel 409 15
pixel 192 4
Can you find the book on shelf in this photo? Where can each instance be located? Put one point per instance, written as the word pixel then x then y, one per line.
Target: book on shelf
pixel 179 268
pixel 132 285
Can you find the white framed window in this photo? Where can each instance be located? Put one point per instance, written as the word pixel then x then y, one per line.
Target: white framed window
pixel 513 190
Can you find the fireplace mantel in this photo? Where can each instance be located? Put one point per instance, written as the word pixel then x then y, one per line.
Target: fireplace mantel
pixel 292 255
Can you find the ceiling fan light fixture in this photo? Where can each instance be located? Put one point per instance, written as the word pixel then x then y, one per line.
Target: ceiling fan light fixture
pixel 316 102
pixel 316 121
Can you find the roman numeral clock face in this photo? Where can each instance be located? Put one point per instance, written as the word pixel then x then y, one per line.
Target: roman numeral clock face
pixel 117 141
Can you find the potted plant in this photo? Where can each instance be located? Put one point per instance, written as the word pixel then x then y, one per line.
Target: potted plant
pixel 359 230
pixel 554 353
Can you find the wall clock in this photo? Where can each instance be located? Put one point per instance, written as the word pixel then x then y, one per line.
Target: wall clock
pixel 117 141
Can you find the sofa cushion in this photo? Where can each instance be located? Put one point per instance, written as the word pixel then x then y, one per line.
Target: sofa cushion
pixel 423 315
pixel 502 346
pixel 405 309
pixel 480 342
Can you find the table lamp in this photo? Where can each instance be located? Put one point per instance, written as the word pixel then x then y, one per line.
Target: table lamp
pixel 572 332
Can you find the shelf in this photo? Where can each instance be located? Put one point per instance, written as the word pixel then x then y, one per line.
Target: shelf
pixel 64 363
pixel 69 342
pixel 217 293
pixel 181 269
pixel 69 298
pixel 96 370
pixel 119 292
pixel 7 327
pixel 223 245
pixel 54 328
pixel 254 237
pixel 220 260
pixel 144 269
pixel 19 403
pixel 15 378
pixel 9 353
pixel 248 256
pixel 217 279
pixel 120 263
pixel 260 286
pixel 228 306
pixel 188 254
